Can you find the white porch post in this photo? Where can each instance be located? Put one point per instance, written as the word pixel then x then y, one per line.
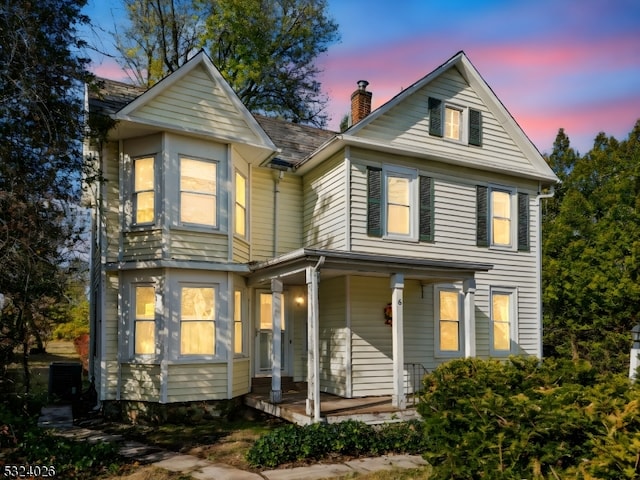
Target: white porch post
pixel 469 290
pixel 276 342
pixel 397 284
pixel 313 342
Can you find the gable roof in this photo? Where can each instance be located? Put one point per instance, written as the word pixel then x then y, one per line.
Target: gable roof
pixel 362 134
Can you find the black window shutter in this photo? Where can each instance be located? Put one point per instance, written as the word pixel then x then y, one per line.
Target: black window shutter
pixel 426 209
pixel 523 222
pixel 435 117
pixel 475 127
pixel 482 216
pixel 374 207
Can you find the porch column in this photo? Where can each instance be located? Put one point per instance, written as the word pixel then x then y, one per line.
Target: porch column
pixel 276 341
pixel 397 308
pixel 469 290
pixel 313 342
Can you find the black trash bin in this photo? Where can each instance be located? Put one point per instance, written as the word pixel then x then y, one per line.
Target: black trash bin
pixel 65 381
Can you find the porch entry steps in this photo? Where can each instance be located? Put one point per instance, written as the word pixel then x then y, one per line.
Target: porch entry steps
pixel 263 385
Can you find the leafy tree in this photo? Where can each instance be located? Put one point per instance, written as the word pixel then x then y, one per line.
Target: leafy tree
pixel 591 253
pixel 41 164
pixel 265 49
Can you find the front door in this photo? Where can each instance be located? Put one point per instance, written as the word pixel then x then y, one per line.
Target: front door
pixel 264 337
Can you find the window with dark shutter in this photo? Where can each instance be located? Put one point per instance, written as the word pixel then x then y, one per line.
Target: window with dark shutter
pixel 475 127
pixel 426 209
pixel 374 195
pixel 523 222
pixel 435 117
pixel 482 214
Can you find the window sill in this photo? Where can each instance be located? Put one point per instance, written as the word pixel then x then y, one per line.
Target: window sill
pixel 197 228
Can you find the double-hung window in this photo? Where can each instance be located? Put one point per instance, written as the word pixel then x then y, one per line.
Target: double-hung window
pixel 454 122
pixel 240 213
pixel 503 320
pixel 197 320
pixel 144 190
pixel 144 328
pixel 399 204
pixel 198 192
pixel 502 218
pixel 449 324
pixel 239 322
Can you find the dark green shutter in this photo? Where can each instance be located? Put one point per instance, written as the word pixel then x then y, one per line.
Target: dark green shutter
pixel 435 117
pixel 475 127
pixel 426 209
pixel 523 222
pixel 374 207
pixel 482 216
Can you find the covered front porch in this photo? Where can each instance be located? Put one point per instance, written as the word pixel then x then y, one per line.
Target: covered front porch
pixel 353 356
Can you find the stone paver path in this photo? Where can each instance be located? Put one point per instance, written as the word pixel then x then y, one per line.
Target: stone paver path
pixel 60 419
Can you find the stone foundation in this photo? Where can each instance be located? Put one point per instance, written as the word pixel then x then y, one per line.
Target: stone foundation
pixel 151 413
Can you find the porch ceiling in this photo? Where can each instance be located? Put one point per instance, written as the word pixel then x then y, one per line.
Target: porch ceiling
pixel 290 268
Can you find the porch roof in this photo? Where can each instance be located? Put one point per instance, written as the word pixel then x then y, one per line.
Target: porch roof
pixel 290 267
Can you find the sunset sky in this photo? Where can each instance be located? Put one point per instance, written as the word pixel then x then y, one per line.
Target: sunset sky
pixel 553 63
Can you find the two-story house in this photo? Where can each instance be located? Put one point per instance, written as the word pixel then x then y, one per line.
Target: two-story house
pixel 229 248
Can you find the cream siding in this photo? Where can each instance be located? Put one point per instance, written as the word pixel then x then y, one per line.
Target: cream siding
pixel 110 209
pixel 298 314
pixel 197 103
pixel 333 336
pixel 324 206
pixel 407 125
pixel 198 246
pixel 142 245
pixel 140 382
pixel 371 347
pixel 241 369
pixel 197 382
pixel 241 250
pixel 263 199
pixel 110 380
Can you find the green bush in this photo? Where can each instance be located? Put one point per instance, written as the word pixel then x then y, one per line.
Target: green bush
pixel 292 443
pixel 529 419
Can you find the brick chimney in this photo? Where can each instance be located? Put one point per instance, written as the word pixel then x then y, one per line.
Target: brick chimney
pixel 360 102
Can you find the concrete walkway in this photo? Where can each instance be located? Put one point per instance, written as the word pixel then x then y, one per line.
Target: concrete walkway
pixel 60 419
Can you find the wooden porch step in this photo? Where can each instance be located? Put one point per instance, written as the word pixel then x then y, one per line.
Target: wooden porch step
pixel 263 384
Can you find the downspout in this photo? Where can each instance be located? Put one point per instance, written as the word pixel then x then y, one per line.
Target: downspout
pixel 539 261
pixel 276 217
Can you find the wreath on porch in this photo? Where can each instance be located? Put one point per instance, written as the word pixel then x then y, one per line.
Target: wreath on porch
pixel 388 314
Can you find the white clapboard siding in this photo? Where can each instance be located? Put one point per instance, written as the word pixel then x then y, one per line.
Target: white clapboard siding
pixel 324 206
pixel 142 245
pixel 407 124
pixel 140 382
pixel 111 204
pixel 110 317
pixel 195 382
pixel 110 381
pixel 240 377
pixel 333 336
pixel 202 246
pixel 197 103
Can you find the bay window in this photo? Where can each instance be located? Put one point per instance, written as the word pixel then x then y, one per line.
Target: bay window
pixel 144 190
pixel 240 213
pixel 144 329
pixel 197 320
pixel 198 192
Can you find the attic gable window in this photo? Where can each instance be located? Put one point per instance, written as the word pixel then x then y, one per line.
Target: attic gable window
pixel 454 122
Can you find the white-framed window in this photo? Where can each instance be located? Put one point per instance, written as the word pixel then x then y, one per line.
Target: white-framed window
pixel 503 330
pixel 198 320
pixel 144 319
pixel 198 192
pixel 501 215
pixel 144 188
pixel 240 212
pixel 452 123
pixel 239 324
pixel 449 328
pixel 400 199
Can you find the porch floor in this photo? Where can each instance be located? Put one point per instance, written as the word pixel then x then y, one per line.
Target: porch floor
pixel 371 410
